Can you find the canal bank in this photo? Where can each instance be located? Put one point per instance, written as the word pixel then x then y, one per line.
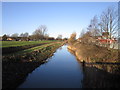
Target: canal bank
pixel 99 74
pixel 92 53
pixel 14 71
pixel 61 71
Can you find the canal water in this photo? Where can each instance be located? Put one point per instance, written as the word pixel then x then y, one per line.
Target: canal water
pixel 61 71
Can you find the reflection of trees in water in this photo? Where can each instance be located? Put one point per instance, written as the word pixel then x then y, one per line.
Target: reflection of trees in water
pixel 98 76
pixel 111 68
pixel 115 69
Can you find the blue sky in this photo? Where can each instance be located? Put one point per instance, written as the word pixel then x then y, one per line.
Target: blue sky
pixel 59 17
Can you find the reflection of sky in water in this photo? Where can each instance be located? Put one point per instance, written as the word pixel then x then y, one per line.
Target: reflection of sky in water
pixel 61 71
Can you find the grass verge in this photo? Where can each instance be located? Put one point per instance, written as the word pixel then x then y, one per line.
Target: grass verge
pixel 94 53
pixel 21 45
pixel 16 68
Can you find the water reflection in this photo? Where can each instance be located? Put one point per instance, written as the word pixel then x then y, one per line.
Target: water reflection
pixel 96 77
pixel 61 71
pixel 111 68
pixel 100 75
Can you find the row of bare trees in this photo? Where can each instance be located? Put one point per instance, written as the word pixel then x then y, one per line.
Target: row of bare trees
pixel 108 22
pixel 39 34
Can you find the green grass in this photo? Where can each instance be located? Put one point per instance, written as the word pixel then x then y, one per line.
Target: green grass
pixel 37 53
pixel 20 43
pixel 36 48
pixel 33 49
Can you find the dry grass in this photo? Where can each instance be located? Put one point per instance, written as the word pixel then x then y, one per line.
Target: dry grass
pixel 94 53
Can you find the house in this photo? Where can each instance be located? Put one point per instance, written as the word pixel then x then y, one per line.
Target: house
pixel 107 41
pixel 9 39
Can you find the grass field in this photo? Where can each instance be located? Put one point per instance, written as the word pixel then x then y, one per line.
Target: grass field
pixel 35 53
pixel 20 43
pixel 33 49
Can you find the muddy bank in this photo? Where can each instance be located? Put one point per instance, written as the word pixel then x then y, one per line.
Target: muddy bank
pixel 14 72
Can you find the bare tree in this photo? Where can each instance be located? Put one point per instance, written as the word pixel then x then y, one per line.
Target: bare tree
pixel 24 34
pixel 43 29
pixel 21 35
pixel 72 38
pixel 82 33
pixel 109 20
pixel 59 37
pixel 86 38
pixel 4 37
pixel 46 36
pixel 40 32
pixel 93 27
pixel 15 35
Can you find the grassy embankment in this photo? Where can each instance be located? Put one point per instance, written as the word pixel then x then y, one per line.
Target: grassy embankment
pixel 32 54
pixel 16 66
pixel 108 73
pixel 14 46
pixel 98 58
pixel 94 53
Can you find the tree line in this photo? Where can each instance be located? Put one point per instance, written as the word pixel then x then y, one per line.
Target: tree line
pixel 39 34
